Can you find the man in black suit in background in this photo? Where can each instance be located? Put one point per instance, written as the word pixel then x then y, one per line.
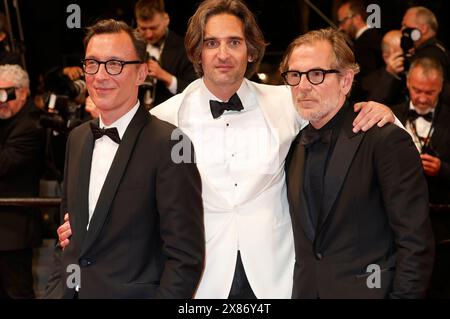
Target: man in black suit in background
pixel 366 42
pixel 136 215
pixel 387 84
pixel 426 116
pixel 358 202
pixel 170 70
pixel 22 143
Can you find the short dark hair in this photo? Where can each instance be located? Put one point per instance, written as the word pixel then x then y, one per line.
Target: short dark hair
pixel 252 33
pixel 146 9
pixel 113 26
pixel 428 65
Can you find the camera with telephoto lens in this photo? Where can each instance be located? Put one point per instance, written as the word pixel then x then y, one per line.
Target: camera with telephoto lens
pixel 409 36
pixel 64 103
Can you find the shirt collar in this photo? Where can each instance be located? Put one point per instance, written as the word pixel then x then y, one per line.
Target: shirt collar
pixel 122 123
pixel 361 31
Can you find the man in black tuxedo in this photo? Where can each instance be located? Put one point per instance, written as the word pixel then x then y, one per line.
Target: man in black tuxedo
pixel 170 70
pixel 22 144
pixel 136 215
pixel 366 42
pixel 358 202
pixel 426 117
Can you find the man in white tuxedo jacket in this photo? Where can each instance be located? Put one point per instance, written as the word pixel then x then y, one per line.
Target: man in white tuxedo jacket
pixel 240 154
pixel 242 132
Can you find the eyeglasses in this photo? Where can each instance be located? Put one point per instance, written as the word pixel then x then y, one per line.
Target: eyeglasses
pixel 340 22
pixel 314 76
pixel 113 67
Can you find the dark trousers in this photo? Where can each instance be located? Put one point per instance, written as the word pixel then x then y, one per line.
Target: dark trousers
pixel 240 289
pixel 16 278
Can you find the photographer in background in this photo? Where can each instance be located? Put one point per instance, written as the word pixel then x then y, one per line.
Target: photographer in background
pixel 419 28
pixel 426 117
pixel 387 84
pixel 169 69
pixel 22 142
pixel 64 103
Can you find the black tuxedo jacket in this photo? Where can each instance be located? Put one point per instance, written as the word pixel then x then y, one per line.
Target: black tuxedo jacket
pixel 175 61
pixel 381 86
pixel 367 49
pixel 374 211
pixel 22 145
pixel 146 236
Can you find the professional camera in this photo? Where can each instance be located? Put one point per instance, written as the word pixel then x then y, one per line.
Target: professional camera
pixel 64 102
pixel 409 36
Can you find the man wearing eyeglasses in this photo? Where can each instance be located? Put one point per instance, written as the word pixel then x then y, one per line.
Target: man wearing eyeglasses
pixel 367 41
pixel 136 215
pixel 358 201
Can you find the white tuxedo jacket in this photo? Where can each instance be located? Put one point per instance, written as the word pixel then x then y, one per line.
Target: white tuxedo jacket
pixel 259 224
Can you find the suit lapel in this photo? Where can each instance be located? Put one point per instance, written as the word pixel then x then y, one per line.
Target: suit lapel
pixel 403 114
pixel 295 173
pixel 114 176
pixel 83 174
pixel 441 121
pixel 338 166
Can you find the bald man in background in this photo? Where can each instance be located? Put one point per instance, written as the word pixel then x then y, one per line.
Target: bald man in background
pixel 387 84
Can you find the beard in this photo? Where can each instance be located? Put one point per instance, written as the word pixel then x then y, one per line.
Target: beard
pixel 317 113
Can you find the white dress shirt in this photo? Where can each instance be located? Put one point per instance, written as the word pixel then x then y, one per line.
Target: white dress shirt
pixel 102 157
pixel 234 149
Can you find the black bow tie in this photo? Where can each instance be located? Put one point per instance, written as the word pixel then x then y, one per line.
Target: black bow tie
pixel 310 135
pixel 413 115
pixel 112 133
pixel 217 108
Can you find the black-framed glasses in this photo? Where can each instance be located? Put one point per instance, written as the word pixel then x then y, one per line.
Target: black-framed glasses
pixel 341 22
pixel 314 76
pixel 113 67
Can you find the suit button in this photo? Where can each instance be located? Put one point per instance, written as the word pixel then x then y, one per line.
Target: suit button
pixel 85 262
pixel 319 256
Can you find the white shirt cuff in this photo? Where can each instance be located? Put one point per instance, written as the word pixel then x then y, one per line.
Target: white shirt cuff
pixel 173 85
